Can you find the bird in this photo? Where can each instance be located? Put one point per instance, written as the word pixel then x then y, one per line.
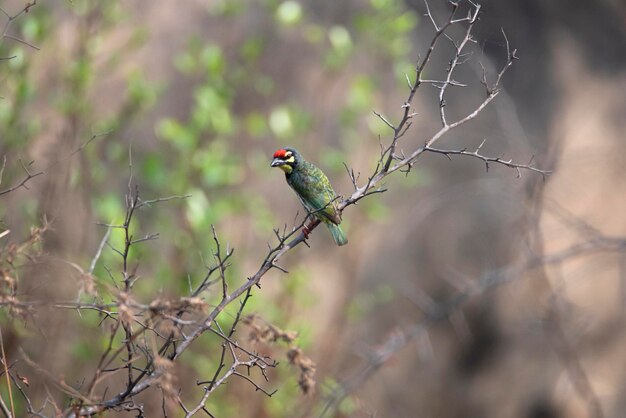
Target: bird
pixel 313 189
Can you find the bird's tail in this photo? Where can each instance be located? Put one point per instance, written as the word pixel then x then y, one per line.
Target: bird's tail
pixel 338 235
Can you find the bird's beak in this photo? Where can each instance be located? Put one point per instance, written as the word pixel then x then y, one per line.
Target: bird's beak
pixel 277 162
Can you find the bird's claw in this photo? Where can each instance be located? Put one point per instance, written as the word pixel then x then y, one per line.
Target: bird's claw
pixel 306 231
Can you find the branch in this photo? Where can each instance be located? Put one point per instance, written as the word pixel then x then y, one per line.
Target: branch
pixel 487 160
pixel 25 180
pixel 390 161
pixel 11 19
pixel 31 175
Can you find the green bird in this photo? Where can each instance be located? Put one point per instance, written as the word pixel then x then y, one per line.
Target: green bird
pixel 313 189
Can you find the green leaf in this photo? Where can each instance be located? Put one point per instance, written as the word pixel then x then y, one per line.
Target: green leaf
pixel 213 59
pixel 197 208
pixel 289 13
pixel 256 124
pixel 140 91
pixel 173 132
pixel 153 169
pixel 340 38
pixel 406 22
pixel 281 123
pixel 17 62
pixel 31 28
pixel 186 63
pixel 252 49
pixel 361 93
pixel 108 207
pixel 381 4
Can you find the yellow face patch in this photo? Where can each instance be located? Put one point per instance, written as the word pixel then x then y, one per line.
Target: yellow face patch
pixel 286 168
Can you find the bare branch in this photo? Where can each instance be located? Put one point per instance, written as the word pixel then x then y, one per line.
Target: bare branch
pixel 30 175
pixel 24 181
pixel 145 361
pixel 487 160
pixel 96 257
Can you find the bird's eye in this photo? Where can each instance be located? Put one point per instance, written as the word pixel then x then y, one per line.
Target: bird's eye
pixel 288 154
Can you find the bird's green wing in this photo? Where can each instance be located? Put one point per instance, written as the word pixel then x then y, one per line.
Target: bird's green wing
pixel 316 193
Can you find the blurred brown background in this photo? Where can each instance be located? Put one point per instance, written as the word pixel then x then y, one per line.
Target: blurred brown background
pixel 206 91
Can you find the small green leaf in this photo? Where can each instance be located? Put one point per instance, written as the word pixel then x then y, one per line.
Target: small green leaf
pixel 197 208
pixel 108 207
pixel 213 59
pixel 360 95
pixel 340 38
pixel 140 91
pixel 186 63
pixel 252 48
pixel 256 124
pixel 175 133
pixel 31 28
pixel 406 22
pixel 153 169
pixel 381 4
pixel 17 62
pixel 289 13
pixel 280 122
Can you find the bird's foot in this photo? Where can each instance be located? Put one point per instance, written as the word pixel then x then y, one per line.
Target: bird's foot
pixel 306 231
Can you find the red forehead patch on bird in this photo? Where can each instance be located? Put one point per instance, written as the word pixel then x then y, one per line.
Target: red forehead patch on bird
pixel 280 153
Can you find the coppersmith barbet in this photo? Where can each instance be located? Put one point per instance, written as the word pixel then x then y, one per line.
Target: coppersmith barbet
pixel 313 189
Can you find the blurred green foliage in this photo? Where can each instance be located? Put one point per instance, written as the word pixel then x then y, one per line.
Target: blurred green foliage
pixel 213 148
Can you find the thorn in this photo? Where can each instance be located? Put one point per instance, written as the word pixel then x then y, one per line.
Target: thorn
pixel 279 267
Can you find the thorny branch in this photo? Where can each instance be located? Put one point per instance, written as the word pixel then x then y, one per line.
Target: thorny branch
pixel 31 175
pixel 146 364
pixel 22 183
pixel 487 160
pixel 390 161
pixel 176 343
pixel 11 19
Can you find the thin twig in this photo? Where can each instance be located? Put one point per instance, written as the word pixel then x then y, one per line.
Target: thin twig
pixel 6 372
